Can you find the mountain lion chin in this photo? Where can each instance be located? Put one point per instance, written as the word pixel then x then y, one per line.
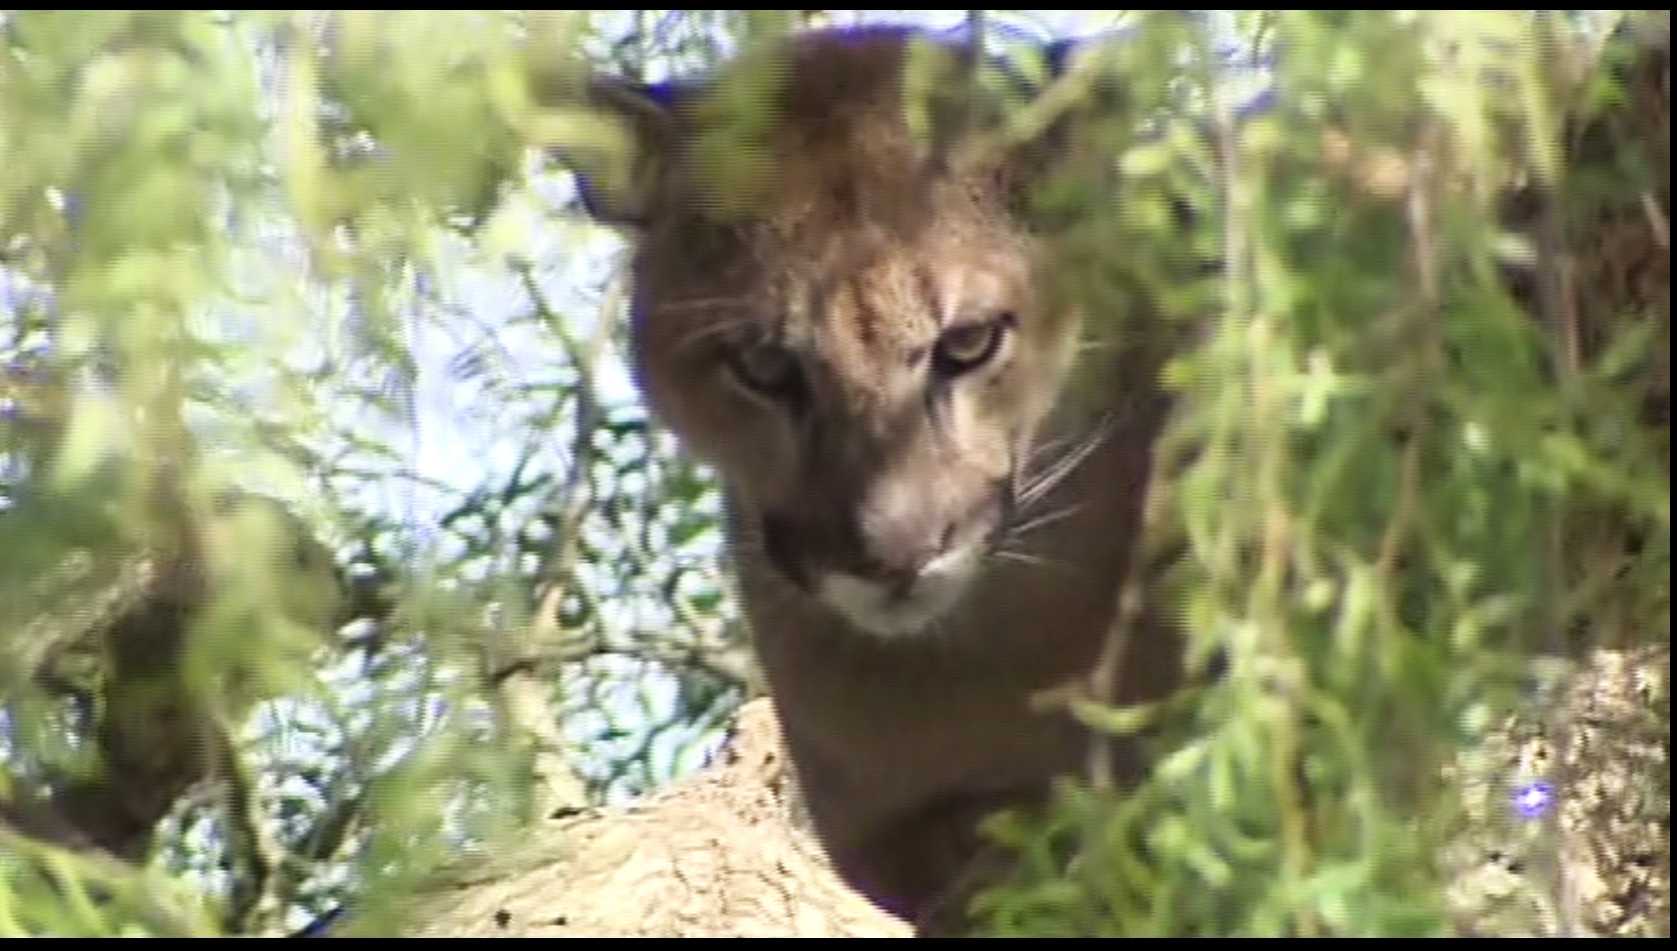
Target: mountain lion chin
pixel 876 608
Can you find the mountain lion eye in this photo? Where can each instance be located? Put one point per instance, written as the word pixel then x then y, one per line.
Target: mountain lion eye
pixel 968 346
pixel 767 368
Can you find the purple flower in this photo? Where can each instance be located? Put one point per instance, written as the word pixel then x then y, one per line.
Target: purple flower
pixel 1534 799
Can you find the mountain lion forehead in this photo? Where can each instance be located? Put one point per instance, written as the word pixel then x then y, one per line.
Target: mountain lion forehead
pixel 887 305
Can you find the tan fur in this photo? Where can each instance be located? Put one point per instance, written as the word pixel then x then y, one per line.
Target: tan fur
pixel 831 229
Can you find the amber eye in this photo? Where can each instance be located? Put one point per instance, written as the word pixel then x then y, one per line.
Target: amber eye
pixel 767 368
pixel 968 346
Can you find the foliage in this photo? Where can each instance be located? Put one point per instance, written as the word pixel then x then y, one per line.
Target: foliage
pixel 308 259
pixel 1393 473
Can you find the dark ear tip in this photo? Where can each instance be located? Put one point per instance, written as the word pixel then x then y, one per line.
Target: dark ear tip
pixel 596 207
pixel 1059 55
pixel 647 106
pixel 617 196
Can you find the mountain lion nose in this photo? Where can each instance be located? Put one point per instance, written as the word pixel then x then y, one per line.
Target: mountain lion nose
pixel 900 581
pixel 899 558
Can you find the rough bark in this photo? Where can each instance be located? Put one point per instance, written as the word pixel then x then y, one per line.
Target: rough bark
pixel 723 854
pixel 1597 860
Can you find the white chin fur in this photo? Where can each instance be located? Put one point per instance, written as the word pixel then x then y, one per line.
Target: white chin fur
pixel 871 607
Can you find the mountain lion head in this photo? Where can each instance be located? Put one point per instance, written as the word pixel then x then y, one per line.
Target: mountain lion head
pixel 839 309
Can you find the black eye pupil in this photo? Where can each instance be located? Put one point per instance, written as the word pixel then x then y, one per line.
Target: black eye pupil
pixel 767 368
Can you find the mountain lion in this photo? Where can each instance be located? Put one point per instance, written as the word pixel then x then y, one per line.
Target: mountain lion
pixel 849 313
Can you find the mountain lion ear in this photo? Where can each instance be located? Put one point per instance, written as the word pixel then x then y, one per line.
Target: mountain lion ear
pixel 1049 167
pixel 622 141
